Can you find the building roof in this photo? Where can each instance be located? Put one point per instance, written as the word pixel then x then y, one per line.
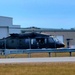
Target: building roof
pixel 35 29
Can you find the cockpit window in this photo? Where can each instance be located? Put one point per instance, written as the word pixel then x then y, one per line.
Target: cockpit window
pixel 51 39
pixel 55 39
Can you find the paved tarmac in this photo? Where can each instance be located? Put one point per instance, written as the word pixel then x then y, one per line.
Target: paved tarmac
pixel 34 60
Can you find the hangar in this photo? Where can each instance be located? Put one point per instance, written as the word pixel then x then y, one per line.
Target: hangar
pixel 7 27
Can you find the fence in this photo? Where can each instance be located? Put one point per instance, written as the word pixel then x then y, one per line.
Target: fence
pixel 30 51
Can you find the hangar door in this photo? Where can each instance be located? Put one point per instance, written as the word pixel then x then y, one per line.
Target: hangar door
pixel 3 32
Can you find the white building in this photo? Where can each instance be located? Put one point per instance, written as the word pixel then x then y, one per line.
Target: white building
pixel 7 27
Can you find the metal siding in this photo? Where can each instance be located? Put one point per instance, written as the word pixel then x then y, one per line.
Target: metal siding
pixel 3 32
pixel 14 31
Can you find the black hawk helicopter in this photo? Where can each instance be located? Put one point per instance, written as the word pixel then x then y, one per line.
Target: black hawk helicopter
pixel 30 41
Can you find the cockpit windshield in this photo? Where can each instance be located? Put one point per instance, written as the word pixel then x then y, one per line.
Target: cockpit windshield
pixel 55 39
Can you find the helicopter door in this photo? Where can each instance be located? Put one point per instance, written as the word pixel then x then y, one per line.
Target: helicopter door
pixel 27 43
pixel 33 43
pixel 41 42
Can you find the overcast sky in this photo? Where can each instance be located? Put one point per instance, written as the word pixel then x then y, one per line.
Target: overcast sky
pixel 40 13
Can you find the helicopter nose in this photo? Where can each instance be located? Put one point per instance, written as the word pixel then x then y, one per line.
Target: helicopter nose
pixel 61 45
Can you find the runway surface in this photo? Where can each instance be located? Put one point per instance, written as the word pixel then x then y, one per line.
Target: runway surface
pixel 34 60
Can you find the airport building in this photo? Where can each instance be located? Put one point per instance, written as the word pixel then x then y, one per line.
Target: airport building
pixel 65 35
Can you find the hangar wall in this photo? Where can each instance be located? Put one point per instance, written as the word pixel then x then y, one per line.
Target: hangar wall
pixel 14 29
pixel 3 32
pixel 7 27
pixel 5 21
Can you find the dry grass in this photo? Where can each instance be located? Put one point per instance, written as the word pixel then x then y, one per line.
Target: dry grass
pixel 38 69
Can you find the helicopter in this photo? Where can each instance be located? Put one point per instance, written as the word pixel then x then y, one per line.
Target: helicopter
pixel 30 40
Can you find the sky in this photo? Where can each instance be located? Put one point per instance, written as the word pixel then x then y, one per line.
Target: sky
pixel 40 13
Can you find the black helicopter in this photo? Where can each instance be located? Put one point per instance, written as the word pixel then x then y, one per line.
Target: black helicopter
pixel 30 41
